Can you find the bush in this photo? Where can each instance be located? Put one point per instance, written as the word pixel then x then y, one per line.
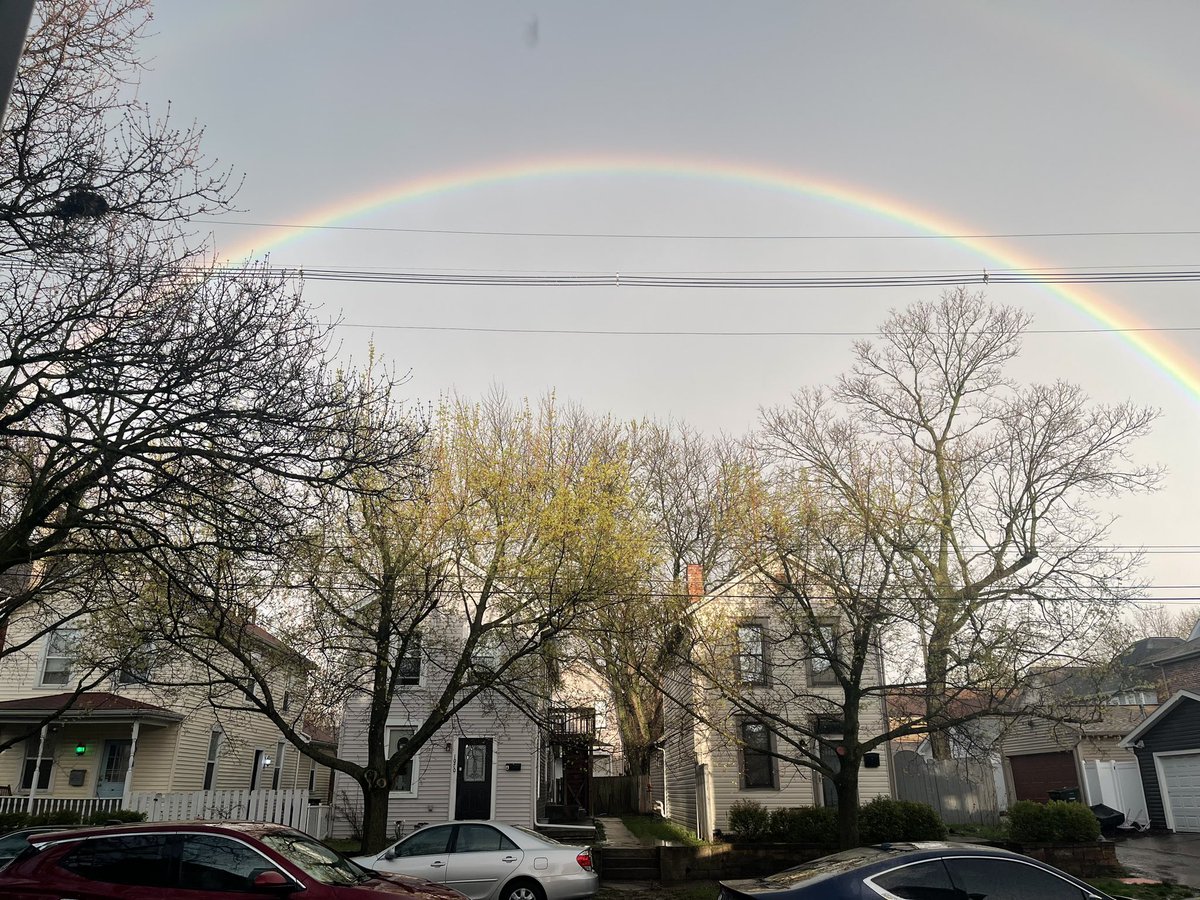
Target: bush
pixel 1058 821
pixel 749 820
pixel 884 820
pixel 13 821
pixel 804 825
pixel 114 815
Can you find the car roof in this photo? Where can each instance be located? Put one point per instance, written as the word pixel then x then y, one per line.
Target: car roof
pixel 233 829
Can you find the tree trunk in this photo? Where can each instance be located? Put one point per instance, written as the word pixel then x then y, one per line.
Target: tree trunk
pixel 375 817
pixel 937 664
pixel 847 791
pixel 639 759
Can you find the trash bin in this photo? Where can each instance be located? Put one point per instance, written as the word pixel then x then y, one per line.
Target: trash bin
pixel 1070 794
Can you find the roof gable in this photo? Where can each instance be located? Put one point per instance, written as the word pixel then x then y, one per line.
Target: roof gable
pixel 1158 715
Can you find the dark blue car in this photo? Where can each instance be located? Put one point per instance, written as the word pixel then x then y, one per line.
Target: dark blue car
pixel 919 871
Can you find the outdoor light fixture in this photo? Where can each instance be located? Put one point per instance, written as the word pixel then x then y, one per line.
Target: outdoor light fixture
pixel 80 748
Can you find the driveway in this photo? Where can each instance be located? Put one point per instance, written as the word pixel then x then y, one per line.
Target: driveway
pixel 1167 857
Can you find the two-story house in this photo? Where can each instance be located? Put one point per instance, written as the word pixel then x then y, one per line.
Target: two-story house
pixel 717 752
pixel 85 733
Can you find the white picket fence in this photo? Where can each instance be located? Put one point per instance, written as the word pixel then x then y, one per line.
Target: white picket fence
pixel 1116 784
pixel 289 808
pixel 85 806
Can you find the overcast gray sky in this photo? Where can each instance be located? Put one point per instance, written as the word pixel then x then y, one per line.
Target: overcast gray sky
pixel 1009 119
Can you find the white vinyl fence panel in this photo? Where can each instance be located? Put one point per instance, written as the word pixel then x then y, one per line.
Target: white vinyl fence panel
pixel 1116 784
pixel 289 808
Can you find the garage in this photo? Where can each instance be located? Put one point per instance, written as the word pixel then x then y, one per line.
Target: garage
pixel 1035 775
pixel 1179 775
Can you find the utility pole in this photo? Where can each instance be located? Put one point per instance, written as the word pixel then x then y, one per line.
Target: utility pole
pixel 15 16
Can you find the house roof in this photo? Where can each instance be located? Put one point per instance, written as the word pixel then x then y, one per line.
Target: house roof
pixel 1177 651
pixel 1152 720
pixel 88 704
pixel 1115 720
pixel 1141 652
pixel 319 735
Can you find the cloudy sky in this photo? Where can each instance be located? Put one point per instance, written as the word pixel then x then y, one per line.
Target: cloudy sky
pixel 705 139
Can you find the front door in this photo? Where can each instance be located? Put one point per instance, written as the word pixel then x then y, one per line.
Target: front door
pixel 114 764
pixel 473 796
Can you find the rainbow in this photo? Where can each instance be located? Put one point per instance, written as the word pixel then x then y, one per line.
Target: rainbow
pixel 1168 359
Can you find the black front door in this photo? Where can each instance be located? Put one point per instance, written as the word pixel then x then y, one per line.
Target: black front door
pixel 473 796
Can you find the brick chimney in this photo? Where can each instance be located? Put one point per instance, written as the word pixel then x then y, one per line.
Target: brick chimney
pixel 695 581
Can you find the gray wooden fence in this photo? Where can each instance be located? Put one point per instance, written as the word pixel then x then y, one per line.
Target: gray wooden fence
pixel 620 794
pixel 963 791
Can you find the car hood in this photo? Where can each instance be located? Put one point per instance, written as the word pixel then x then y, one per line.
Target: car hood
pixel 404 886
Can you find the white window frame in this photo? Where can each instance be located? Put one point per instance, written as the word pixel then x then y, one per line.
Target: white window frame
pixel 415 638
pixel 213 758
pixel 256 766
pixel 48 755
pixel 46 657
pixel 277 768
pixel 415 780
pixel 312 776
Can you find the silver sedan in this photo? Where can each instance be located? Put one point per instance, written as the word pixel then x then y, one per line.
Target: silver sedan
pixel 491 861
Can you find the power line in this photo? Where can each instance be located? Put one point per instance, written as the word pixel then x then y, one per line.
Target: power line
pixel 1012 235
pixel 673 333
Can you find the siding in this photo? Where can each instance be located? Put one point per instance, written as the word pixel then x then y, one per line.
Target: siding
pixel 1179 729
pixel 680 752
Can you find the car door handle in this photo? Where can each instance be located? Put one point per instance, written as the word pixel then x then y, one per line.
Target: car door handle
pixel 436 865
pixel 509 859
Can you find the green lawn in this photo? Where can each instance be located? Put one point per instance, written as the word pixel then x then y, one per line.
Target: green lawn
pixel 652 828
pixel 345 845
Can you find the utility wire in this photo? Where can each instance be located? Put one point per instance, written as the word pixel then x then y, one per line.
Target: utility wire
pixel 1012 235
pixel 644 333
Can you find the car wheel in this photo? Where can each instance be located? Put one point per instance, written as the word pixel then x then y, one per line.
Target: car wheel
pixel 522 890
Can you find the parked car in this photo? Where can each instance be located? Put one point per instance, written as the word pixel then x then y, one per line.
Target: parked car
pixel 491 861
pixel 918 871
pixel 15 843
pixel 162 860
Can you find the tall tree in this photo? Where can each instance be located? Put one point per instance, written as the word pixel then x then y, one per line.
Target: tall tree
pixel 507 536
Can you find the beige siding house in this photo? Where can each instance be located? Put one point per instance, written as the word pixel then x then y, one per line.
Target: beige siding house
pixel 715 755
pixel 113 734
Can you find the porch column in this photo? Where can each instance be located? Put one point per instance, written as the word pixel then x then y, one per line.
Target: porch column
pixel 37 769
pixel 133 738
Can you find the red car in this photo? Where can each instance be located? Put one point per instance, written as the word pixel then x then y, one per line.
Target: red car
pixel 194 861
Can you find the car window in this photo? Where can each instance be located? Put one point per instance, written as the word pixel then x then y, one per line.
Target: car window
pixel 210 862
pixel 927 880
pixel 477 838
pixel 141 859
pixel 1008 879
pixel 429 842
pixel 317 860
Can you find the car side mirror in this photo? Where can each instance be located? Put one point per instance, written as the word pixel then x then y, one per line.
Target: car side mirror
pixel 273 881
pixel 391 854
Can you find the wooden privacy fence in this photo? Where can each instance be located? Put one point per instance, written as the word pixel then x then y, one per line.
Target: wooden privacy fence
pixel 963 791
pixel 617 795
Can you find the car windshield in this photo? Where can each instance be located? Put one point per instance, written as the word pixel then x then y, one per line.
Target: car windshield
pixel 315 858
pixel 827 866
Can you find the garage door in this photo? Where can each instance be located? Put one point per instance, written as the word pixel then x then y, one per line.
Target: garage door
pixel 1035 775
pixel 1181 789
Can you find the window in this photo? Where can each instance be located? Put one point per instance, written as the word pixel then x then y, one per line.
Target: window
pixel 430 842
pixel 44 767
pixel 601 714
pixel 758 766
pixel 410 662
pixel 480 838
pixel 136 668
pixel 60 656
pixel 211 863
pixel 486 654
pixel 751 653
pixel 1006 879
pixel 921 881
pixel 256 767
pixel 277 770
pixel 210 767
pixel 141 859
pixel 405 780
pixel 312 775
pixel 823 644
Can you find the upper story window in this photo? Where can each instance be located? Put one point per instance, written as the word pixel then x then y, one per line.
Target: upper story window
pixel 136 669
pixel 752 653
pixel 61 646
pixel 1134 698
pixel 823 649
pixel 409 663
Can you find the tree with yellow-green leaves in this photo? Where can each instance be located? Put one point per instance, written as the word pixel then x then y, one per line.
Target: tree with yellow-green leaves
pixel 449 585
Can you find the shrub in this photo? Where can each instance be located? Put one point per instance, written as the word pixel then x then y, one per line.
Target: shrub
pixel 114 815
pixel 1057 821
pixel 11 821
pixel 884 820
pixel 749 820
pixel 804 825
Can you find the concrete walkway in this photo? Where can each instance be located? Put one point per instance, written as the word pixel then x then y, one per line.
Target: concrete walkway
pixel 617 835
pixel 1167 857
